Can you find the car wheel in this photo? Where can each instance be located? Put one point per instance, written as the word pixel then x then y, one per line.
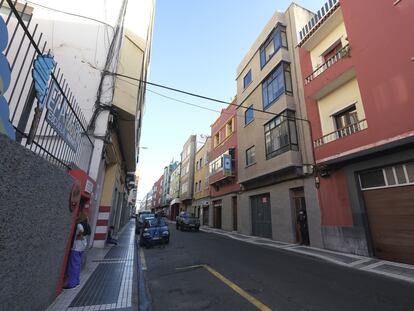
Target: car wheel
pixel 167 241
pixel 177 226
pixel 181 228
pixel 197 229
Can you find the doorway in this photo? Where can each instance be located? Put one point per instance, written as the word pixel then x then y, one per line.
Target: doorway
pixel 234 207
pixel 300 216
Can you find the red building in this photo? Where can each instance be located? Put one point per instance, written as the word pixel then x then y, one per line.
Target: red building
pixel 357 62
pixel 223 169
pixel 156 195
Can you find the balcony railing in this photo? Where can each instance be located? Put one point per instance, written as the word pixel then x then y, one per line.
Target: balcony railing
pixel 331 61
pixel 343 132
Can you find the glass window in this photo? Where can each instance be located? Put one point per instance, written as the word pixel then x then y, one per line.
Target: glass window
pixel 276 40
pixel 280 134
pixel 248 115
pixel 206 182
pixel 372 179
pixel 410 171
pixel 250 156
pixel 346 118
pixel 247 79
pixel 389 172
pixel 277 83
pixel 399 171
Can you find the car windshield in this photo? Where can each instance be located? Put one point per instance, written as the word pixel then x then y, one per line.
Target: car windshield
pixel 187 215
pixel 156 222
pixel 145 216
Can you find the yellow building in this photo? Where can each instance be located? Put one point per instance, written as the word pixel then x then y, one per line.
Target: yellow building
pixel 201 197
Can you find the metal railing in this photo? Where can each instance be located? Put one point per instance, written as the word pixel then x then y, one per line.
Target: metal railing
pixel 59 136
pixel 331 61
pixel 343 132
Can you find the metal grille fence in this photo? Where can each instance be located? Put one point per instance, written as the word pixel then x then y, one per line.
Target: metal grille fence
pixel 59 135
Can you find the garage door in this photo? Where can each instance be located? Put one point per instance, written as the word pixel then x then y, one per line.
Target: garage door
pixel 261 218
pixel 389 201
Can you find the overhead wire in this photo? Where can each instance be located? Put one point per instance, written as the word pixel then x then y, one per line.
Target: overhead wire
pixel 70 13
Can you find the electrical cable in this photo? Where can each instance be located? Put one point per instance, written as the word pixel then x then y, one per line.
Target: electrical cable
pixel 72 14
pixel 199 96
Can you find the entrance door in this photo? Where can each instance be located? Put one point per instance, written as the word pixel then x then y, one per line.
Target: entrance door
pixel 217 217
pixel 205 216
pixel 234 206
pixel 261 217
pixel 391 221
pixel 298 198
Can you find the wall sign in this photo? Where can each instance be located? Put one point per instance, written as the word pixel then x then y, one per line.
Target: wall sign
pixel 5 76
pixel 61 118
pixel 88 186
pixel 227 164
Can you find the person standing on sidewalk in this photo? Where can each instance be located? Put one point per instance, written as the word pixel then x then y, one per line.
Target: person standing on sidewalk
pixel 79 246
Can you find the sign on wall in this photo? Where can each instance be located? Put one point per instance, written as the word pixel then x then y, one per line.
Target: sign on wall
pixel 227 167
pixel 61 118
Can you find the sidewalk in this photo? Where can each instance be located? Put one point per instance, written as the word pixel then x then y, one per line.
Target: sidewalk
pixel 392 269
pixel 107 280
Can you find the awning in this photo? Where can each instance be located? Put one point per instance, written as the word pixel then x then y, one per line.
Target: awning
pixel 175 201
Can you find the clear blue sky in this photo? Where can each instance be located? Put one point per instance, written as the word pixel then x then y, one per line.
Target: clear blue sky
pixel 196 47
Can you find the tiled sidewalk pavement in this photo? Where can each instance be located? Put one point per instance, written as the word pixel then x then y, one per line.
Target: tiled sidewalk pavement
pixel 106 282
pixel 391 269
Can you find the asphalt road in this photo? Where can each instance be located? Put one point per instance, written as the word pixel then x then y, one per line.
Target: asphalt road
pixel 177 278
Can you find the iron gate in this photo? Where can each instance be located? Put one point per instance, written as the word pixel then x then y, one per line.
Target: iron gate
pixel 63 141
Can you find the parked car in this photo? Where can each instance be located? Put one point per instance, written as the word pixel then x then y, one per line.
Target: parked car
pixel 139 222
pixel 187 220
pixel 154 231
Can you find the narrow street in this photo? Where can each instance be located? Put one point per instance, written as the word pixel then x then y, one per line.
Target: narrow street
pixel 183 276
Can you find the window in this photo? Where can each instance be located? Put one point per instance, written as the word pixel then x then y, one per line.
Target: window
pixel 201 162
pixel 248 115
pixel 280 134
pixel 216 139
pixel 247 79
pixel 197 165
pixel 216 165
pixel 346 121
pixel 391 176
pixel 276 40
pixel 331 52
pixel 206 182
pixel 199 185
pixel 277 83
pixel 250 156
pixel 229 128
pixel 196 186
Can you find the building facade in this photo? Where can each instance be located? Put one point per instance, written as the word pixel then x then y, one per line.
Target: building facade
pixel 157 190
pixel 175 192
pixel 223 170
pixel 275 149
pixel 165 193
pixel 187 173
pixel 201 201
pixel 359 97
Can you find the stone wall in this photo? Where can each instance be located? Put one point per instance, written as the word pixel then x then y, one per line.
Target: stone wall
pixel 35 226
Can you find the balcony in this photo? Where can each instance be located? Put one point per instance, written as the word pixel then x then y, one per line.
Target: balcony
pixel 341 133
pixel 344 52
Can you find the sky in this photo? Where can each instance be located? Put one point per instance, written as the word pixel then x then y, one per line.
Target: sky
pixel 196 47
